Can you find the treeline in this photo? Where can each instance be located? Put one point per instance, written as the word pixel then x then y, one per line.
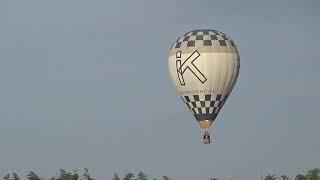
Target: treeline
pixel 80 175
pixel 313 174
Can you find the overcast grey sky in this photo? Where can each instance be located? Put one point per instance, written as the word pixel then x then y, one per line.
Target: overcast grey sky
pixel 86 84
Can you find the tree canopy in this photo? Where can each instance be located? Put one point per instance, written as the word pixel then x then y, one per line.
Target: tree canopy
pixel 312 174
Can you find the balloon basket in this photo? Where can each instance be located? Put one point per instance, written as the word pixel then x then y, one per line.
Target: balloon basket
pixel 206 138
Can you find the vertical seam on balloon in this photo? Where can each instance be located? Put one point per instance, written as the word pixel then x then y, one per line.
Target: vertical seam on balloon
pixel 230 70
pixel 224 92
pixel 235 71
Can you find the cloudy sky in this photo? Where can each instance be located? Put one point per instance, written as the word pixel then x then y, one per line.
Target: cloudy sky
pixel 86 84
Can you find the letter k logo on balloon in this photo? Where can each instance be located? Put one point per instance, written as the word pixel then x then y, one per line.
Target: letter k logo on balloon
pixel 188 64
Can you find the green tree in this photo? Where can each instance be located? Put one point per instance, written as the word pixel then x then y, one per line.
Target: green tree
pixel 15 176
pixel 7 177
pixel 166 178
pixel 115 177
pixel 64 175
pixel 128 176
pixel 313 174
pixel 270 177
pixel 284 177
pixel 142 176
pixel 86 174
pixel 33 176
pixel 301 177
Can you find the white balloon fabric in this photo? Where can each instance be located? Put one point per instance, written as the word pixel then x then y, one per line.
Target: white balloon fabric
pixel 204 66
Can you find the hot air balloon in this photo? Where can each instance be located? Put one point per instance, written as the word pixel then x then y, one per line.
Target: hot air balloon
pixel 204 66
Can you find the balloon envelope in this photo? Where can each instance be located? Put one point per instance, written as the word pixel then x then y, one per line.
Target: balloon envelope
pixel 204 66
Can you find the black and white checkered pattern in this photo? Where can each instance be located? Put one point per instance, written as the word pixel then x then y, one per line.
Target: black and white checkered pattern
pixel 203 38
pixel 204 104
